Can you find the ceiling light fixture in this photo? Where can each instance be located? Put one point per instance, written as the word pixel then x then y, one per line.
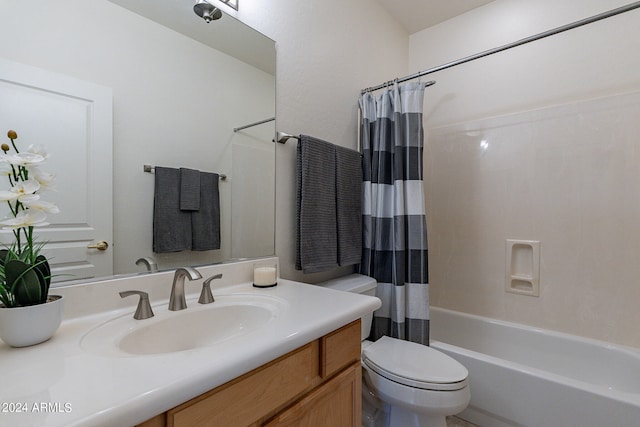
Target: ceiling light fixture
pixel 207 11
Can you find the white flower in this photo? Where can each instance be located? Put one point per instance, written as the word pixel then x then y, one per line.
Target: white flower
pixel 21 189
pixel 29 186
pixel 8 196
pixel 38 150
pixel 37 204
pixel 29 198
pixel 25 218
pixel 22 159
pixel 5 169
pixel 47 180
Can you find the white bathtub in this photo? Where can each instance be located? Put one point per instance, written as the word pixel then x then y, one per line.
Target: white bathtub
pixel 524 376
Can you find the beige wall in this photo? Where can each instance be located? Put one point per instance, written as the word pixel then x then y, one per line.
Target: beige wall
pixel 533 143
pixel 327 51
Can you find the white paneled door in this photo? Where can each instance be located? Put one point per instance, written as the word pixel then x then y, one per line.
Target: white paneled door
pixel 72 119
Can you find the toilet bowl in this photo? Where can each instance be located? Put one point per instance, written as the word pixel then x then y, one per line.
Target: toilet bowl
pixel 405 384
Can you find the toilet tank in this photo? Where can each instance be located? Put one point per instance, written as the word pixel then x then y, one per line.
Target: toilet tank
pixel 359 284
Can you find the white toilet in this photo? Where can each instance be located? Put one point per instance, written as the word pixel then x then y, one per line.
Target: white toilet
pixel 404 384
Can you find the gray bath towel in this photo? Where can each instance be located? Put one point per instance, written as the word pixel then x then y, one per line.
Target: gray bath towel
pixel 349 205
pixel 206 221
pixel 171 226
pixel 316 237
pixel 189 189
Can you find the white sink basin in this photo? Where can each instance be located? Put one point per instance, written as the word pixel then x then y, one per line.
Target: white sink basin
pixel 197 326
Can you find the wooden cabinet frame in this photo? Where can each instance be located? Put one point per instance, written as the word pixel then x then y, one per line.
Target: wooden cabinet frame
pixel 317 384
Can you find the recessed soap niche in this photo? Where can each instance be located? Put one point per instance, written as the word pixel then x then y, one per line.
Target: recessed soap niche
pixel 523 267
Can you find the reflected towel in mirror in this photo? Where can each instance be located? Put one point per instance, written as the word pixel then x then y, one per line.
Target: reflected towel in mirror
pixel 205 222
pixel 189 189
pixel 171 226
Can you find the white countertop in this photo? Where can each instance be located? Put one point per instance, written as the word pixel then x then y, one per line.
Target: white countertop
pixel 58 383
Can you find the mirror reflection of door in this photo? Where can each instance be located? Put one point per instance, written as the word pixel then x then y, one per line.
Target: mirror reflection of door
pixel 180 87
pixel 72 119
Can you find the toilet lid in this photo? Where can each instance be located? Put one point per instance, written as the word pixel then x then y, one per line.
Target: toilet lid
pixel 414 365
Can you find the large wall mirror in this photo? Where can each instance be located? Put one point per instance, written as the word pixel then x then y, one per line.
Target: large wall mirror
pixel 179 87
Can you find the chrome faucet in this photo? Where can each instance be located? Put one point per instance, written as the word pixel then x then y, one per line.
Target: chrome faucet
pixel 149 263
pixel 177 300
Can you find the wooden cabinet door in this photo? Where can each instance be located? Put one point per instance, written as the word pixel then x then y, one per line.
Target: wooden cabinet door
pixel 337 403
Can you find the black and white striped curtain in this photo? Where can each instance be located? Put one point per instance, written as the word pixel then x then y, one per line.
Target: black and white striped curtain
pixel 394 226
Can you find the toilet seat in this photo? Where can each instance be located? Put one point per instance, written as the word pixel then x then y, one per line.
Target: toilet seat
pixel 414 365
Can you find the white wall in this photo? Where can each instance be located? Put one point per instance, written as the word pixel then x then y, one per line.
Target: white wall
pixel 327 52
pixel 559 164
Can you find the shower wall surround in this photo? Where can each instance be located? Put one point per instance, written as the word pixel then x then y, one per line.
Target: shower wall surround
pixel 560 175
pixel 537 143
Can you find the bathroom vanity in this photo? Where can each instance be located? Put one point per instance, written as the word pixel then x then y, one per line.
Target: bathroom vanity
pixel 286 355
pixel 316 384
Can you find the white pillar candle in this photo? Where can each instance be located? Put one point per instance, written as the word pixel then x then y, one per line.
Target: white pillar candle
pixel 264 276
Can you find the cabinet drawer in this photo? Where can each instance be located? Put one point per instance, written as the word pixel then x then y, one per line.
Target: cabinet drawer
pixel 340 348
pixel 336 403
pixel 242 401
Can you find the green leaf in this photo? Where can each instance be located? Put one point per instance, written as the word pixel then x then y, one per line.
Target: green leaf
pixel 5 297
pixel 43 271
pixel 24 282
pixel 3 256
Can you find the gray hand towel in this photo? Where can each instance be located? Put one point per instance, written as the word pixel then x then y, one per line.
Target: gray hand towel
pixel 189 189
pixel 171 226
pixel 349 205
pixel 316 237
pixel 206 221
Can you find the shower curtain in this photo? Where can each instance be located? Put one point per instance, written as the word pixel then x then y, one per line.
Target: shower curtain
pixel 394 226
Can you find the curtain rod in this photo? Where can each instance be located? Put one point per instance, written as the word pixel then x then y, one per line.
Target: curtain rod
pixel 250 125
pixel 563 28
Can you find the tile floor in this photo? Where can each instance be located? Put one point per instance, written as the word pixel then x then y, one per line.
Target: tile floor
pixel 457 422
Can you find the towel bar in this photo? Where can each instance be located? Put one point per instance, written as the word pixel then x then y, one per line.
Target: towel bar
pixel 151 169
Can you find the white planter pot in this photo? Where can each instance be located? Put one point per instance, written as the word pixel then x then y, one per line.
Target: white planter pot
pixel 24 326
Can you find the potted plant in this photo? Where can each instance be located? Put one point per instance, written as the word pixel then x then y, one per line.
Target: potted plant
pixel 28 314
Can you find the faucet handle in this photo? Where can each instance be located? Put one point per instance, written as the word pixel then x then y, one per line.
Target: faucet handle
pixel 206 297
pixel 143 311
